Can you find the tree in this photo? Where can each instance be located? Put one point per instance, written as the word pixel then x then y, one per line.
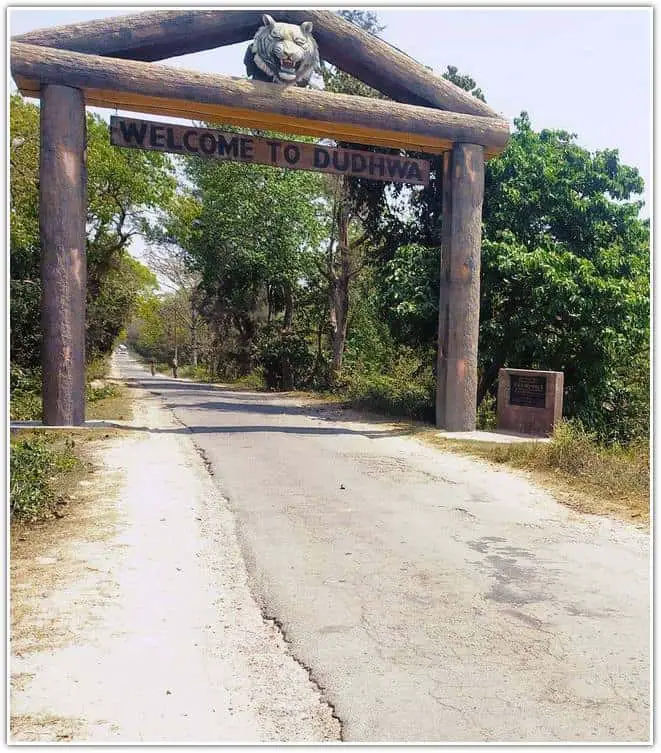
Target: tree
pixel 565 270
pixel 25 280
pixel 463 81
pixel 564 277
pixel 124 186
pixel 345 256
pixel 168 258
pixel 123 288
pixel 253 244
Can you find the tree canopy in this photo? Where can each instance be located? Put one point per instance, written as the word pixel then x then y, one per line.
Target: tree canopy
pixel 124 187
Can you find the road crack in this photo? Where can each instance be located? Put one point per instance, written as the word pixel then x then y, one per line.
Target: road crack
pixel 273 621
pixel 320 689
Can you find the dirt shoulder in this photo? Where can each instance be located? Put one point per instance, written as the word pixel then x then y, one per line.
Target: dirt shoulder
pixel 131 616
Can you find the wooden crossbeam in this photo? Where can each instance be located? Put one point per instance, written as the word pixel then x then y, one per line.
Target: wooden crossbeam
pixel 160 89
pixel 159 35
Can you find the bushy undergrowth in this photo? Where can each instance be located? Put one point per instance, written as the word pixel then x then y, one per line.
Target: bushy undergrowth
pixel 25 394
pixel 35 464
pixel 406 390
pixel 486 414
pixel 98 368
pixel 94 394
pixel 200 373
pixel 253 381
pixel 25 389
pixel 284 358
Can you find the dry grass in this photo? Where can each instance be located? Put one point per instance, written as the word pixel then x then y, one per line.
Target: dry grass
pixel 78 497
pixel 115 406
pixel 44 729
pixel 587 477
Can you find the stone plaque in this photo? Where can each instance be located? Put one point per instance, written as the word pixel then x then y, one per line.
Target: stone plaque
pixel 529 391
pixel 529 401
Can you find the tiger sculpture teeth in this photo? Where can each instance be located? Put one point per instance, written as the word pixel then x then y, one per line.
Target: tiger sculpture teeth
pixel 282 53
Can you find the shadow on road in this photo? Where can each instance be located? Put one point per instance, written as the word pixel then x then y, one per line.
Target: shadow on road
pixel 177 385
pixel 309 430
pixel 255 403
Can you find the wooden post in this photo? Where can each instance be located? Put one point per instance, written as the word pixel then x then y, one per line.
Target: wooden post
pixel 459 300
pixel 62 214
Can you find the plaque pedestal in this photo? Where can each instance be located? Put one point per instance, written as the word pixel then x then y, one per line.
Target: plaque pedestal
pixel 529 401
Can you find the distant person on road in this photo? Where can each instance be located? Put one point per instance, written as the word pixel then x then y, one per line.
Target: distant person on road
pixel 153 367
pixel 174 367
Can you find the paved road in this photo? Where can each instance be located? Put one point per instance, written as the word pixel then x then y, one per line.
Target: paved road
pixel 432 597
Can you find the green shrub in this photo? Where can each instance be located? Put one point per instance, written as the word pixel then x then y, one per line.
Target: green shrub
pixel 34 465
pixel 406 389
pixel 25 406
pixel 253 381
pixel 199 373
pixel 486 413
pixel 389 395
pixel 25 394
pixel 97 368
pixel 94 394
pixel 284 357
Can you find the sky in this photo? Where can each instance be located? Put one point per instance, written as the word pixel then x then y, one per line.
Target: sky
pixel 584 70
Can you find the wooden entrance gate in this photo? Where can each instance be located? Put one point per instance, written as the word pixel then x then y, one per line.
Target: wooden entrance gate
pixel 69 68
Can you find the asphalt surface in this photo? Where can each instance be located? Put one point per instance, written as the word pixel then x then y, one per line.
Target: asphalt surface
pixel 432 597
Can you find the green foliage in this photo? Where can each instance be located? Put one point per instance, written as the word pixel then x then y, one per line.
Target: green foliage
pixel 463 81
pixel 25 394
pixel 370 345
pixel 25 280
pixel 565 275
pixel 34 465
pixel 284 357
pixel 124 187
pixel 124 286
pixel 147 332
pixel 94 394
pixel 406 391
pixel 253 381
pixel 410 293
pixel 97 368
pixel 252 234
pixel 198 373
pixel 486 413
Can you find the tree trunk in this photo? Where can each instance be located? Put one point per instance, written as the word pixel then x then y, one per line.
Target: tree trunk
pixel 339 290
pixel 339 322
pixel 319 355
pixel 289 307
pixel 246 330
pixel 194 323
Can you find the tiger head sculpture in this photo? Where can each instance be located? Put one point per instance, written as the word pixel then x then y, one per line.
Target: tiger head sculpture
pixel 282 53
